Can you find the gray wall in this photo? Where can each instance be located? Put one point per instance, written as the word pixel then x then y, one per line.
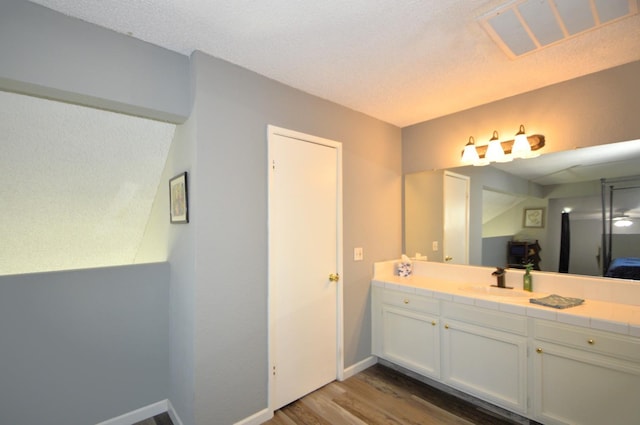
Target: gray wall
pixel 80 347
pixel 481 178
pixel 232 109
pixel 48 54
pixel 176 243
pixel 494 251
pixel 596 109
pixel 219 260
pixel 218 278
pixel 488 178
pixel 592 110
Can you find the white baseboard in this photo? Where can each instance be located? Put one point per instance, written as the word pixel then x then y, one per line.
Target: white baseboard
pixel 359 367
pixel 138 414
pixel 266 414
pixel 173 414
pixel 257 418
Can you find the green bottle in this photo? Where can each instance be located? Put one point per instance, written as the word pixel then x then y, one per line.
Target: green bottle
pixel 527 279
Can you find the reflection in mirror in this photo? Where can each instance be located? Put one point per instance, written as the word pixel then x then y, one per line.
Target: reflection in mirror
pixel 550 184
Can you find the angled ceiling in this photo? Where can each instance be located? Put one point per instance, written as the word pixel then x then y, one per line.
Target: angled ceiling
pixel 611 161
pixel 608 161
pixel 401 62
pixel 78 184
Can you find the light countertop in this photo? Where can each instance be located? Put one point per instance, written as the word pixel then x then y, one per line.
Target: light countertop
pixel 606 316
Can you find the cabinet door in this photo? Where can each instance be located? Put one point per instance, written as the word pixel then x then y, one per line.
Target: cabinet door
pixel 488 364
pixel 410 339
pixel 576 387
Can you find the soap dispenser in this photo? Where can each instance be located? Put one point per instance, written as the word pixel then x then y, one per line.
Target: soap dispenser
pixel 527 279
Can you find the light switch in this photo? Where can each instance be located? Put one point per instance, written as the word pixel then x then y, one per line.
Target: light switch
pixel 358 254
pixel 434 245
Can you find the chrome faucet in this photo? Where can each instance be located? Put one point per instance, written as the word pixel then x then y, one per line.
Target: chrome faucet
pixel 499 274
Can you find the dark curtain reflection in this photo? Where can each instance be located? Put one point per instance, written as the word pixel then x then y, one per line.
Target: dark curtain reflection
pixel 565 244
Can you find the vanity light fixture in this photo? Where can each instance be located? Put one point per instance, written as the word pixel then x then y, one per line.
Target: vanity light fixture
pixel 496 151
pixel 470 153
pixel 521 147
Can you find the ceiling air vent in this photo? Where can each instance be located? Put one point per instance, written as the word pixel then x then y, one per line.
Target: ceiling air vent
pixel 526 26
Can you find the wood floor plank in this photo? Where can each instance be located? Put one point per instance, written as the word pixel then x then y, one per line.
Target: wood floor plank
pixel 301 414
pixel 281 418
pixel 400 404
pixel 382 396
pixel 380 375
pixel 366 411
pixel 323 403
pixel 442 415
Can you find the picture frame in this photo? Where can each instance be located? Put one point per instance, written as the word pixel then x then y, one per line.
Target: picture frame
pixel 178 199
pixel 533 218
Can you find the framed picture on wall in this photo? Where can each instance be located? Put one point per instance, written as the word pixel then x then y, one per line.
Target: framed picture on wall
pixel 533 217
pixel 178 199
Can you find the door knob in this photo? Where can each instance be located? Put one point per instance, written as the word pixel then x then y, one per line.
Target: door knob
pixel 447 258
pixel 334 277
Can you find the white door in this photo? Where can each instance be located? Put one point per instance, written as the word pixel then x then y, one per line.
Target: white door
pixel 456 218
pixel 304 250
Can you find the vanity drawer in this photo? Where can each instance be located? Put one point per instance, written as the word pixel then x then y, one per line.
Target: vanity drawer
pixel 594 341
pixel 411 301
pixel 497 320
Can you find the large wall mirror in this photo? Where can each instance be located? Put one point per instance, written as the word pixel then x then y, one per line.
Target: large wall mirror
pixel 523 201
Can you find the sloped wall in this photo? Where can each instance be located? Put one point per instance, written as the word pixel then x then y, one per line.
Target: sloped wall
pixel 78 184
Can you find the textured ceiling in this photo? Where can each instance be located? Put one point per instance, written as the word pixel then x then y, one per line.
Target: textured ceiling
pixel 400 61
pixel 77 184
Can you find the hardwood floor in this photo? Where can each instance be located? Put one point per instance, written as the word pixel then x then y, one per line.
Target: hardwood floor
pixel 380 395
pixel 161 419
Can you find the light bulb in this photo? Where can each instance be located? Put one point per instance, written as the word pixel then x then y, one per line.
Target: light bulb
pixel 470 154
pixel 494 150
pixel 521 147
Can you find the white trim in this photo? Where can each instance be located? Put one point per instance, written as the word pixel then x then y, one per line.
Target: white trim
pixel 257 418
pixel 272 131
pixel 359 367
pixel 467 201
pixel 173 414
pixel 138 414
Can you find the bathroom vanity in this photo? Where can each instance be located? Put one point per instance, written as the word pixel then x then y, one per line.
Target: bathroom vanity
pixel 579 365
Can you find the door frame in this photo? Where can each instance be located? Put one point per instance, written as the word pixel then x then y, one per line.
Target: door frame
pixel 467 206
pixel 306 138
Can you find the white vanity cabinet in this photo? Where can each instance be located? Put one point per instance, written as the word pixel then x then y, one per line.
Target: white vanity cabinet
pixel 406 330
pixel 546 370
pixel 584 376
pixel 484 353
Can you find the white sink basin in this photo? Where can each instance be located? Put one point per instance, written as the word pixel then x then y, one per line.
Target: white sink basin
pixel 496 292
